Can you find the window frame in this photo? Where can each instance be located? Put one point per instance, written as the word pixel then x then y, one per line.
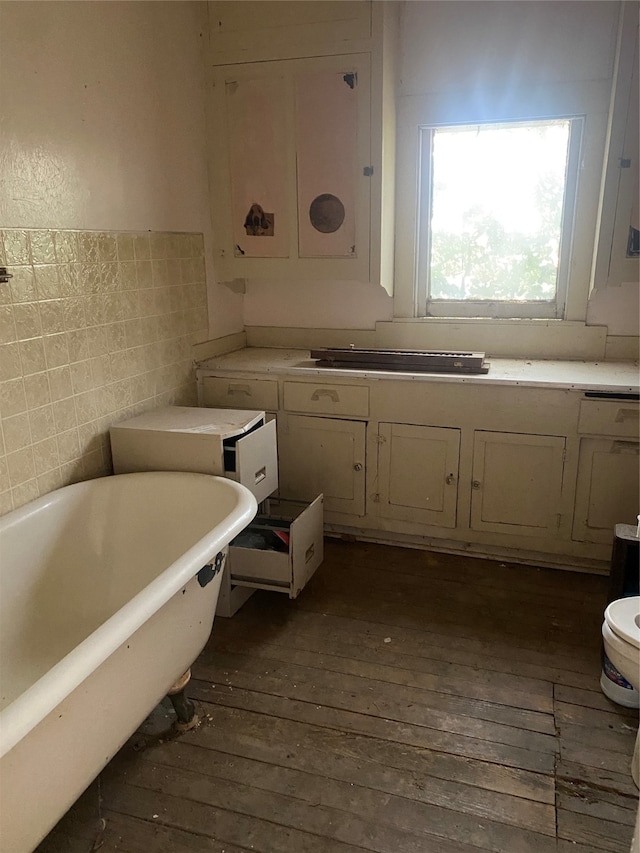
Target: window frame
pixel 588 99
pixel 425 307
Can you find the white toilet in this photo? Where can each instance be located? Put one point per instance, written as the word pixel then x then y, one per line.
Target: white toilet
pixel 621 635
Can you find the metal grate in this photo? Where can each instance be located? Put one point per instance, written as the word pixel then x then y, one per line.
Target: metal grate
pixel 443 361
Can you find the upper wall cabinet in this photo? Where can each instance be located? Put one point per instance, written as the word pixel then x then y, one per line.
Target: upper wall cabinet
pixel 303 149
pixel 269 29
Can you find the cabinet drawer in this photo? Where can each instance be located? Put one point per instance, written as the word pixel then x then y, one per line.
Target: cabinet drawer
pixel 279 554
pixel 326 399
pixel 240 393
pixel 609 417
pixel 252 460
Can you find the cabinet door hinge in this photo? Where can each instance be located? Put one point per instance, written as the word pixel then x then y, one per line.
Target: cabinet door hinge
pixel 367 171
pixel 376 498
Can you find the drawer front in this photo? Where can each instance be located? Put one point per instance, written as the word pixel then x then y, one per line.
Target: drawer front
pixel 609 417
pixel 326 399
pixel 259 394
pixel 257 461
pixel 280 571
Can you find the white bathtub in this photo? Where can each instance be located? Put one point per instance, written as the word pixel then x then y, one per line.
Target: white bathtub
pixel 100 613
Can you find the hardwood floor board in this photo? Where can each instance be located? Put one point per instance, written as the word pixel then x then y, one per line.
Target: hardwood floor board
pixel 353 781
pixel 376 726
pixel 125 834
pixel 390 766
pixel 603 759
pixel 365 696
pixel 142 835
pixel 339 812
pixel 509 632
pixel 522 625
pixel 260 836
pixel 439 692
pixel 599 738
pixel 592 699
pixel 310 632
pixel 601 834
pixel 500 574
pixel 423 648
pixel 593 718
pixel 60 842
pixel 565 846
pixel 405 702
pixel 583 803
pixel 601 781
pixel 426 590
pixel 471 679
pixel 453 588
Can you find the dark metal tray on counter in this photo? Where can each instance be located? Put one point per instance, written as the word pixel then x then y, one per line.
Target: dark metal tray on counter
pixel 426 361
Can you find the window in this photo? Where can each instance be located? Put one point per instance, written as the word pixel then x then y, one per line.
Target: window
pixel 496 217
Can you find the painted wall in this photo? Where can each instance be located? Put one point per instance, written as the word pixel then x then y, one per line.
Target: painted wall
pixel 103 123
pixel 102 160
pixel 465 50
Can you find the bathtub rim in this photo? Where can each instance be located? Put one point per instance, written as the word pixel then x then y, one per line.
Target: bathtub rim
pixel 45 694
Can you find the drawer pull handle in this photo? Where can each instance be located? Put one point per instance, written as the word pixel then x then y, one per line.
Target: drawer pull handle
pixel 626 447
pixel 450 480
pixel 326 392
pixel 239 389
pixel 357 466
pixel 308 554
pixel 476 484
pixel 260 475
pixel 627 415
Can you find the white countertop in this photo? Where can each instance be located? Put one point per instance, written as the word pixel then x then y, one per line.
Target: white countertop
pixel 620 377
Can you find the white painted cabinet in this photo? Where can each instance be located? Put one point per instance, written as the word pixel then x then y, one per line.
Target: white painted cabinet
pixel 529 474
pixel 302 140
pixel 324 455
pixel 418 473
pixel 259 30
pixel 291 152
pixel 607 490
pixel 517 483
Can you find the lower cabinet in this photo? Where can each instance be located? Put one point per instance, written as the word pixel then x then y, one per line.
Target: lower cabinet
pixel 517 483
pixel 418 473
pixel 607 488
pixel 323 455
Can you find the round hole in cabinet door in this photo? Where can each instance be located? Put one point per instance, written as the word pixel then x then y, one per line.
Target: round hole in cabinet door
pixel 326 213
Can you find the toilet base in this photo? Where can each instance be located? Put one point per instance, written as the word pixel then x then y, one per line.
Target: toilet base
pixel 635 762
pixel 624 696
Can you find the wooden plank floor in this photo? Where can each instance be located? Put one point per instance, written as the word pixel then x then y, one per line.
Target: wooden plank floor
pixel 407 702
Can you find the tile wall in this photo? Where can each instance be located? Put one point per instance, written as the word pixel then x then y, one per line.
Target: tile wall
pixel 94 328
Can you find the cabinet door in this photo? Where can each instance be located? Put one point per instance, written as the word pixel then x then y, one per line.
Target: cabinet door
pixel 418 473
pixel 323 455
pixel 291 168
pixel 607 488
pixel 256 109
pixel 327 161
pixel 517 483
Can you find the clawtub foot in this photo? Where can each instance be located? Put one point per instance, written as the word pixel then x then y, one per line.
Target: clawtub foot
pixel 184 708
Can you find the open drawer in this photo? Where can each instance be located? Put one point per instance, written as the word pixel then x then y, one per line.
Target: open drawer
pixel 279 554
pixel 252 459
